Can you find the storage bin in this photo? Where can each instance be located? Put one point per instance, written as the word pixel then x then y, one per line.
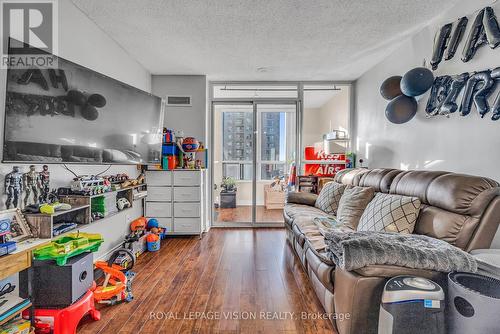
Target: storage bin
pixel 153 246
pixel 169 149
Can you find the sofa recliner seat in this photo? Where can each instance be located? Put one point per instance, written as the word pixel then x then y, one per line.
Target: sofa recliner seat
pixel 461 209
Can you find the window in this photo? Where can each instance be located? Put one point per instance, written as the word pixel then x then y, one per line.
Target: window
pixel 275 142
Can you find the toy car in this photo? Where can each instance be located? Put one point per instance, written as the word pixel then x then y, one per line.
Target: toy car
pixel 90 185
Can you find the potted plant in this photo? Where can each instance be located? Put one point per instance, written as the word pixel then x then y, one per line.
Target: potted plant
pixel 228 184
pixel 228 193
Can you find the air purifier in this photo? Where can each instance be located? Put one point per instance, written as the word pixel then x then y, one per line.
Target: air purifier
pixel 411 305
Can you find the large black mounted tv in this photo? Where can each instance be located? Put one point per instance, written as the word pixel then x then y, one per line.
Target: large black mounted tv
pixel 73 114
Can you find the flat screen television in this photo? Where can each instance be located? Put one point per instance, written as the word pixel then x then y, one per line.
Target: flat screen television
pixel 73 114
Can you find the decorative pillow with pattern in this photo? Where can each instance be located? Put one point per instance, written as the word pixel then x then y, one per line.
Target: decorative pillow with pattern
pixel 353 203
pixel 329 197
pixel 390 213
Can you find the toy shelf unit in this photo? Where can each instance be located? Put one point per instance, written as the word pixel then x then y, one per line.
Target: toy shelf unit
pixel 108 203
pixel 53 225
pixel 85 210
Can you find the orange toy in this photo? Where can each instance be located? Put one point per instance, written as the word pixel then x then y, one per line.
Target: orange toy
pixel 138 224
pixel 152 237
pixel 113 288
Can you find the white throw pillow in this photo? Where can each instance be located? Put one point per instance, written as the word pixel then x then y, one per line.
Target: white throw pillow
pixel 390 213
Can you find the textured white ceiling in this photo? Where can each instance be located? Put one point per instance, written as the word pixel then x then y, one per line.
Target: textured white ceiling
pixel 285 39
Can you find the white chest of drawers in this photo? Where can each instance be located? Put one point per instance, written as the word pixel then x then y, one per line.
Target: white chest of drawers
pixel 175 198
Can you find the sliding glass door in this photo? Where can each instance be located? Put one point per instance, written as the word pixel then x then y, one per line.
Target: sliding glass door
pixel 276 151
pixel 254 146
pixel 233 163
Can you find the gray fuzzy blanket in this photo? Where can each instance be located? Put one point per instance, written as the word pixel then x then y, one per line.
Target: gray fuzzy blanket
pixel 357 249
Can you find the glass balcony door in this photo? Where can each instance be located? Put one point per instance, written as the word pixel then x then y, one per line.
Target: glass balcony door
pixel 233 164
pixel 275 153
pixel 254 146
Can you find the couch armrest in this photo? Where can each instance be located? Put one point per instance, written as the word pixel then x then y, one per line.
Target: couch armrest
pixel 358 294
pixel 381 270
pixel 301 198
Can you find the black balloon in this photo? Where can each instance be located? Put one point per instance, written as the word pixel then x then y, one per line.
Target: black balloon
pixel 491 28
pixel 401 109
pixel 390 88
pixel 97 100
pixel 440 41
pixel 481 95
pixel 439 91
pixel 76 97
pixel 90 113
pixel 496 109
pixel 450 105
pixel 456 37
pixel 417 81
pixel 471 89
pixel 474 40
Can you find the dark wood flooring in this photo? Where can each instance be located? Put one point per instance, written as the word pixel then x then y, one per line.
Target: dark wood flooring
pixel 210 285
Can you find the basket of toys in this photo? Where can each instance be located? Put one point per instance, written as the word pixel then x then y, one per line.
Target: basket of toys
pixel 153 242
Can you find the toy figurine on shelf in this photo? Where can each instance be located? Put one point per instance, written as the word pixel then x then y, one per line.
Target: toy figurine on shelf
pixel 30 182
pixel 44 184
pixel 13 187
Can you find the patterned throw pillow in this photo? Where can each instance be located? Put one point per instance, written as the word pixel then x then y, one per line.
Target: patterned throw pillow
pixel 329 197
pixel 352 204
pixel 390 213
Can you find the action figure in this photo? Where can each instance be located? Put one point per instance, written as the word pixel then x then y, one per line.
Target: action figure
pixel 30 185
pixel 13 187
pixel 44 184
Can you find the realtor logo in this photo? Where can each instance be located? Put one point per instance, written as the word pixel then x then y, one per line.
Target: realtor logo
pixel 29 33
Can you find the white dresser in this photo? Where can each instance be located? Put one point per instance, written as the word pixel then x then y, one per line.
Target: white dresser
pixel 175 198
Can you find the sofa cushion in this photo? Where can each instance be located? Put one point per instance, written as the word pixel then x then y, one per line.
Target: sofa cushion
pixel 329 197
pixel 379 179
pixel 350 176
pixel 293 210
pixel 301 198
pixel 390 213
pixel 352 204
pixel 462 194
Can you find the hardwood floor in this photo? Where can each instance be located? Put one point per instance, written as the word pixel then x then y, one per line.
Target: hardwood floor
pixel 224 283
pixel 244 214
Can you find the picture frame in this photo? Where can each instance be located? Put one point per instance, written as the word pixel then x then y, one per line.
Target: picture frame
pixel 19 227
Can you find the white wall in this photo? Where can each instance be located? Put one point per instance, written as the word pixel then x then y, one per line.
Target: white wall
pixel 82 42
pixel 192 120
pixel 332 115
pixel 189 119
pixel 460 144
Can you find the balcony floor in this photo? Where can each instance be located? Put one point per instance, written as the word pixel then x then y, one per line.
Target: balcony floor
pixel 243 214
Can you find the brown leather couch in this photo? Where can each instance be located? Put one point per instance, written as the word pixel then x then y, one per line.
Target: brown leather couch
pixel 460 209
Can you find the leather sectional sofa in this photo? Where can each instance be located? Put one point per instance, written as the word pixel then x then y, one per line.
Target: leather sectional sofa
pixel 460 209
